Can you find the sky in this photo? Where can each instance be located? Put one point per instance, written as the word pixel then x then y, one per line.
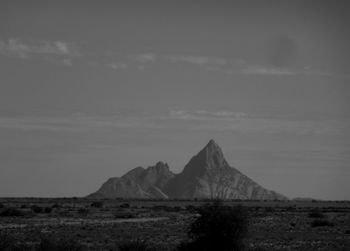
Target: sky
pixel 92 89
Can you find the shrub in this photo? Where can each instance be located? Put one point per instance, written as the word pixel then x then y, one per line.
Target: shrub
pixel 11 212
pixel 2 205
pixel 135 245
pixel 36 209
pixel 83 211
pixel 291 208
pixel 125 205
pixel 258 248
pixel 124 215
pixel 191 208
pixel 47 210
pixel 316 213
pixel 322 223
pixel 219 227
pixel 51 243
pixel 97 204
pixel 56 205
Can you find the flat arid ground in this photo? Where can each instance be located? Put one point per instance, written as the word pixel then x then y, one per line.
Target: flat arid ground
pixel 101 224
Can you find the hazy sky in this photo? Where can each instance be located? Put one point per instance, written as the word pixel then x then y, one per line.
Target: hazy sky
pixel 91 89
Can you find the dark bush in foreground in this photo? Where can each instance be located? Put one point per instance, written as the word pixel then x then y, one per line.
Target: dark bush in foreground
pixel 11 212
pixel 322 223
pixel 51 243
pixel 2 205
pixel 219 228
pixel 135 245
pixel 316 213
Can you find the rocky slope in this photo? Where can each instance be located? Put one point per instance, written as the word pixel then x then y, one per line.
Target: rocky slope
pixel 138 183
pixel 207 175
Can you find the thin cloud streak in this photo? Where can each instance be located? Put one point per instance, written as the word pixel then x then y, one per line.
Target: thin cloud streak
pixel 55 50
pixel 148 57
pixel 205 115
pixel 243 123
pixel 117 66
pixel 198 60
pixel 260 70
pixel 201 120
pixel 240 66
pixel 15 47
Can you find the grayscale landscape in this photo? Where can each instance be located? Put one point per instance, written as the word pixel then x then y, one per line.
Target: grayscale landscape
pixel 174 125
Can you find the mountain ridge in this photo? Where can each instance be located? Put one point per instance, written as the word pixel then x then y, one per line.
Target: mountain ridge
pixel 206 175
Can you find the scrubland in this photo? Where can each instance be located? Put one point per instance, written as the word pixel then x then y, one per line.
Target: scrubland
pixel 86 224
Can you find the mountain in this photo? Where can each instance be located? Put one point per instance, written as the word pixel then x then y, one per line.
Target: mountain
pixel 138 183
pixel 206 175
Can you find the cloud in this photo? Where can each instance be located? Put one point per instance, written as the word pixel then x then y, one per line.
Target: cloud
pixel 231 121
pixel 205 115
pixel 198 60
pixel 281 64
pixel 231 66
pixel 143 57
pixel 262 70
pixel 15 47
pixel 175 121
pixel 67 61
pixel 117 66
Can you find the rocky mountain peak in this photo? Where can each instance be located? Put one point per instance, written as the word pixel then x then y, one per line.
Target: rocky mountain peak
pixel 212 152
pixel 206 175
pixel 210 157
pixel 160 165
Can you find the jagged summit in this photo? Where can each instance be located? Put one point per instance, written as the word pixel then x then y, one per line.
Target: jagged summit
pixel 206 175
pixel 160 166
pixel 210 157
pixel 212 149
pixel 211 143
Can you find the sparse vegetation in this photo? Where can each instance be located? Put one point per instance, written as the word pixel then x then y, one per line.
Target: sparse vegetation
pixel 321 223
pixel 124 215
pixel 56 205
pixel 97 204
pixel 125 205
pixel 10 212
pixel 36 209
pixel 316 213
pixel 135 245
pixel 87 228
pixel 7 242
pixel 47 210
pixel 83 211
pixel 63 243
